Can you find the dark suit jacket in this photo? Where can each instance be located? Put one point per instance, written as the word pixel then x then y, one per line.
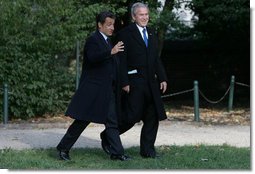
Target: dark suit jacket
pixel 145 60
pixel 91 101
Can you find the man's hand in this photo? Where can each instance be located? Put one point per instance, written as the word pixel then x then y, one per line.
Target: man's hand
pixel 126 89
pixel 117 48
pixel 163 86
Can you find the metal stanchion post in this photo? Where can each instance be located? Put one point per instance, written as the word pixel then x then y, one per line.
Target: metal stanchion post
pixel 231 93
pixel 196 101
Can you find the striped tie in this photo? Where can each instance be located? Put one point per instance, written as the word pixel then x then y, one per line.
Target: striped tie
pixel 109 42
pixel 145 37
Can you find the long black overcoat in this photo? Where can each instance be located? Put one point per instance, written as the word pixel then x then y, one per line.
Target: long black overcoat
pixel 91 100
pixel 145 60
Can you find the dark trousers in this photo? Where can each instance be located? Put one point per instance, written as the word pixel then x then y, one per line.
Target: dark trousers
pixel 111 131
pixel 140 106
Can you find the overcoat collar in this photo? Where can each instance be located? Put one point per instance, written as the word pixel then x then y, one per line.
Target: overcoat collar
pixel 137 35
pixel 101 38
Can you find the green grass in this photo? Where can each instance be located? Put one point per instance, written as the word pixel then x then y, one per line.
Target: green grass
pixel 172 157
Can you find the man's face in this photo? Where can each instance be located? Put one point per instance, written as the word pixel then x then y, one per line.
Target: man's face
pixel 141 16
pixel 108 27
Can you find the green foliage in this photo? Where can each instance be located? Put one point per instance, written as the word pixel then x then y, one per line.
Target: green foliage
pixel 37 42
pixel 222 19
pixel 38 37
pixel 172 158
pixel 37 48
pixel 224 26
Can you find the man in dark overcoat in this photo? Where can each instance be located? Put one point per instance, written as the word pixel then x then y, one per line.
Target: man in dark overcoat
pixel 143 79
pixel 94 101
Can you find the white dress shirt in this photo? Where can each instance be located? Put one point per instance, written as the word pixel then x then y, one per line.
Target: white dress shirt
pixel 141 30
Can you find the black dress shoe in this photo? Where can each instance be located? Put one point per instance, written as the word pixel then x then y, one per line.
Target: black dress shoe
pixel 150 155
pixel 120 157
pixel 64 155
pixel 105 144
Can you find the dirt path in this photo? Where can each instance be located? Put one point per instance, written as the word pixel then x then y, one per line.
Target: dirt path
pixel 47 135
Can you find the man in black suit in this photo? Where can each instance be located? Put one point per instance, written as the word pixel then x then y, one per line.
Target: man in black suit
pixel 94 101
pixel 142 78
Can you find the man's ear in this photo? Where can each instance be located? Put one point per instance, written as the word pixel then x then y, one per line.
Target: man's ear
pixel 99 25
pixel 133 18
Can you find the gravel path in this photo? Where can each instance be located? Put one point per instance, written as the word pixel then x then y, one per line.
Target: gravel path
pixel 25 136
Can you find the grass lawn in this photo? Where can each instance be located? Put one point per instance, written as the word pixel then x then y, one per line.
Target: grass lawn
pixel 172 158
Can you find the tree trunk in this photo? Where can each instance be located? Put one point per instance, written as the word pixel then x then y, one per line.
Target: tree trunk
pixel 168 7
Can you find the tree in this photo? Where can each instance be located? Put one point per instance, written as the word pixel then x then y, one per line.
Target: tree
pixel 222 19
pixel 36 39
pixel 224 26
pixel 37 42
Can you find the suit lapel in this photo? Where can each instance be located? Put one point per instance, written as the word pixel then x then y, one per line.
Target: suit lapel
pixel 136 34
pixel 102 40
pixel 150 38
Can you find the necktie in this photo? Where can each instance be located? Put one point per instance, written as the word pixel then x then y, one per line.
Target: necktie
pixel 145 37
pixel 109 42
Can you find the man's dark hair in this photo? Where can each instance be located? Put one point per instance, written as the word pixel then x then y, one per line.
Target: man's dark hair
pixel 103 15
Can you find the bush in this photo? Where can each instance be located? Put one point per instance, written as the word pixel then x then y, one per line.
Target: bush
pixel 37 42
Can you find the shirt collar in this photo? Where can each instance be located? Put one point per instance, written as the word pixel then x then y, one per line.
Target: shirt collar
pixel 105 37
pixel 140 28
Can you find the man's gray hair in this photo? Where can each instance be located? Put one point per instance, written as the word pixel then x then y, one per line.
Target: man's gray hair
pixel 137 5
